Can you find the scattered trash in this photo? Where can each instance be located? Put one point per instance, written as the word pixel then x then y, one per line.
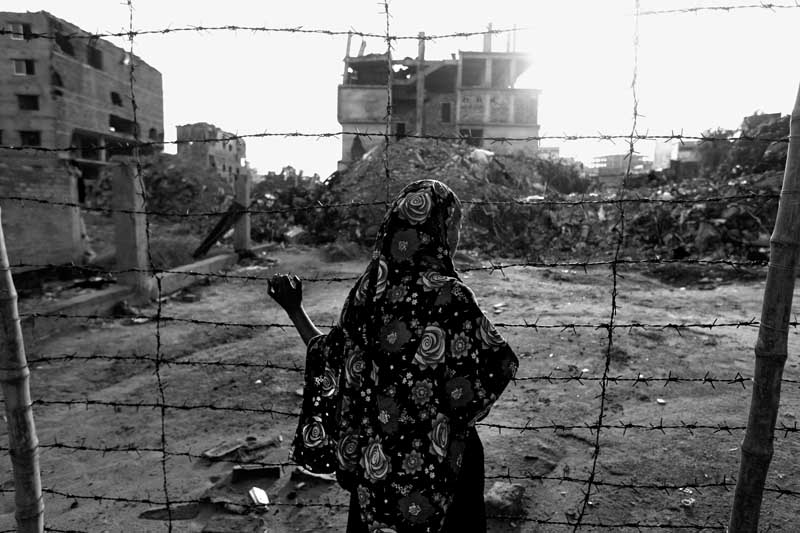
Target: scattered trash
pixel 661 401
pixel 258 382
pixel 138 320
pixel 687 502
pixel 246 472
pixel 299 392
pixel 222 450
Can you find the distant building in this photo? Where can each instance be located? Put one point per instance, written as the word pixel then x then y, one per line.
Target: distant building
pixel 74 90
pixel 549 152
pixel 617 164
pixel 472 96
pixel 210 147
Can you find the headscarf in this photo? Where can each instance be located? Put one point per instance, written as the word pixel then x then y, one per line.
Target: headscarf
pixel 391 391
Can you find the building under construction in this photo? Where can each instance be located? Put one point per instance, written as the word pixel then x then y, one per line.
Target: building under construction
pixel 472 95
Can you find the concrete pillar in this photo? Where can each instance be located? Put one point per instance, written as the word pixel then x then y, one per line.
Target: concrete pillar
pixel 241 231
pixel 130 231
pixel 487 39
pixel 421 84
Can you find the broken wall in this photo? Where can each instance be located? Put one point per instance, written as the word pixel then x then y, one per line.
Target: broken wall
pixel 39 233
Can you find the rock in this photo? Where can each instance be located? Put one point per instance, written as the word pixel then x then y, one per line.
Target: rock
pixel 506 499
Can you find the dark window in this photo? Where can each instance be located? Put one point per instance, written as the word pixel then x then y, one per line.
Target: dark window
pixel 472 137
pixel 30 138
pixel 28 102
pixel 116 99
pixel 152 134
pixel 24 67
pixel 94 57
pixel 446 109
pixel 212 162
pixel 20 31
pixel 472 72
pixel 55 79
pixel 501 73
pixel 122 125
pixel 400 130
pixel 65 44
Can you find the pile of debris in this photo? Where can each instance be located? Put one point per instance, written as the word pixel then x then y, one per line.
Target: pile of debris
pixel 473 173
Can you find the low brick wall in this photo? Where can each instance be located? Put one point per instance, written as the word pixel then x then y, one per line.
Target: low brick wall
pixel 39 233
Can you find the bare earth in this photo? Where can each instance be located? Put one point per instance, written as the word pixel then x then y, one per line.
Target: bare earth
pixel 676 457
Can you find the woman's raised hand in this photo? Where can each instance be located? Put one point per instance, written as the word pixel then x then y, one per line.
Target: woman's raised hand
pixel 287 291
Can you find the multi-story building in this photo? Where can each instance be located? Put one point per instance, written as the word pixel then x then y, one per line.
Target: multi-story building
pixel 210 147
pixel 61 87
pixel 473 96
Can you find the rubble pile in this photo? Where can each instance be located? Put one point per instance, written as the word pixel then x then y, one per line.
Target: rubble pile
pixel 675 221
pixel 472 173
pixel 513 207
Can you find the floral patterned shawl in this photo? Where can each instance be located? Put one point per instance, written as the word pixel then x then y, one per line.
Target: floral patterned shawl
pixel 391 391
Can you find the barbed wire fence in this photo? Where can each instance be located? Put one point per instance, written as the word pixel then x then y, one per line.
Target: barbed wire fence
pixel 596 428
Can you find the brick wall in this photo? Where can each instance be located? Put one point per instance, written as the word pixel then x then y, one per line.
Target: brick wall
pixel 38 233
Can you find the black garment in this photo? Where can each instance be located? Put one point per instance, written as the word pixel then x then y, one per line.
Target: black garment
pixel 468 510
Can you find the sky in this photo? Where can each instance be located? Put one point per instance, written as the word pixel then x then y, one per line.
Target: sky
pixel 695 71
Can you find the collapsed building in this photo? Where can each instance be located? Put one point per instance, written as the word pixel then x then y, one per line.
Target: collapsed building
pixel 68 91
pixel 212 148
pixel 473 96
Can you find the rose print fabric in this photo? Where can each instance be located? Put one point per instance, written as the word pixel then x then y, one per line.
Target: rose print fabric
pixel 390 392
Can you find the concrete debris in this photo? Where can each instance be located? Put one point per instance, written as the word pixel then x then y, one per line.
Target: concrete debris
pixel 507 499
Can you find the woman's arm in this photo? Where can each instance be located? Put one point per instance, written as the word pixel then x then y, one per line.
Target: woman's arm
pixel 305 327
pixel 287 291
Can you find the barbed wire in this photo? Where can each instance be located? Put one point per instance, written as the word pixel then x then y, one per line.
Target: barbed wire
pixel 619 229
pixel 551 377
pixel 491 140
pixel 716 9
pixel 563 326
pixel 130 34
pixel 663 199
pixel 491 268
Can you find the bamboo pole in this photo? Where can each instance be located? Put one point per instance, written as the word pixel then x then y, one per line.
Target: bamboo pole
pixel 770 349
pixel 23 443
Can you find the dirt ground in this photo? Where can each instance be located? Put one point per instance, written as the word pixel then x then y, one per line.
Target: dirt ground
pixel 82 484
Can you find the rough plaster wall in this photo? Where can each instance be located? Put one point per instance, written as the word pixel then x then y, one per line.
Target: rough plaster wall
pixel 36 233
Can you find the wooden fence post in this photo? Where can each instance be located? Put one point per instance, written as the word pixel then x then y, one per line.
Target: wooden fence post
pixel 14 372
pixel 130 231
pixel 770 349
pixel 241 231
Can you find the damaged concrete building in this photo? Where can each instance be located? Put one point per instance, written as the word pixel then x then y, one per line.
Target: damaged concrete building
pixel 472 96
pixel 61 87
pixel 210 147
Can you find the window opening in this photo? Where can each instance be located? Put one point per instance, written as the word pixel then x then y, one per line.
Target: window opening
pixel 24 67
pixel 30 138
pixel 446 110
pixel 28 102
